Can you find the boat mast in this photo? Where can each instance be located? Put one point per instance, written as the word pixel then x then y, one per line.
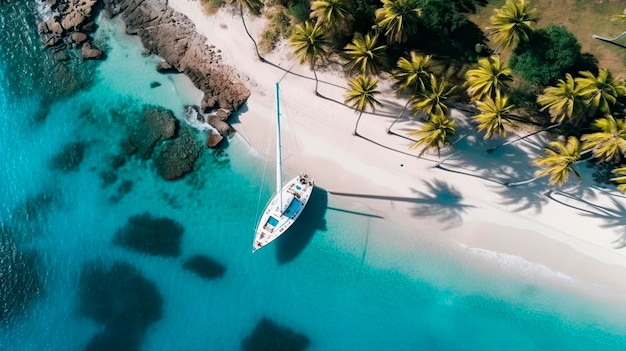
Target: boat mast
pixel 279 157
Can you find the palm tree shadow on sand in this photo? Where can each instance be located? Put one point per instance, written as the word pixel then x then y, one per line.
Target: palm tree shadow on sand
pixel 297 237
pixel 613 216
pixel 442 202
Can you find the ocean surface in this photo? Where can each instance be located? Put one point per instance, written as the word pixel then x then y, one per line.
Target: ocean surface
pixel 333 283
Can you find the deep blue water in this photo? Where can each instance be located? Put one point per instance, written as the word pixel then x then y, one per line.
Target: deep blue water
pixel 335 279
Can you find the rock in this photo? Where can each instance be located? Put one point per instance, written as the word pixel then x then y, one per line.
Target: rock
pixel 90 52
pixel 77 13
pixel 154 85
pixel 222 114
pixel 89 27
pixel 176 157
pixel 156 236
pixel 72 20
pixel 61 55
pixel 267 335
pixel 214 139
pixel 42 27
pixel 204 266
pixel 70 158
pixel 154 125
pixel 164 67
pixel 52 40
pixel 54 26
pixel 222 127
pixel 79 37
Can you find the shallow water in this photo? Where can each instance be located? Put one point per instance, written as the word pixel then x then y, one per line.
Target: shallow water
pixel 333 278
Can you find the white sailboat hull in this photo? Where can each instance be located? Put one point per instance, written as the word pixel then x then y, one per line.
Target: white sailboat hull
pixel 276 219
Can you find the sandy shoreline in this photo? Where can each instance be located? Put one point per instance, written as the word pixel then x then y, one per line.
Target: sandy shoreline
pixel 470 210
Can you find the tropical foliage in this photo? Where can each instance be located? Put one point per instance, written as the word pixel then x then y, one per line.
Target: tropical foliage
pixel 309 41
pixel 493 116
pixel 512 23
pixel 609 144
pixel 600 91
pixel 366 56
pixel 413 73
pixel 559 160
pixel 398 19
pixel 434 99
pixel 490 77
pixel 435 134
pixel 362 95
pixel 331 13
pixel 620 179
pixel 563 101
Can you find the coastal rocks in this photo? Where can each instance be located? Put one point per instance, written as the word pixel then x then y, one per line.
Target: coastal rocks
pixel 121 299
pixel 21 282
pixel 204 266
pixel 79 37
pixel 90 52
pixel 172 36
pixel 267 335
pixel 154 125
pixel 214 138
pixel 70 158
pixel 156 236
pixel 176 157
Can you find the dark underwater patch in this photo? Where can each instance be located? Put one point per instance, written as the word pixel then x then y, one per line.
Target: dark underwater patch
pixel 204 266
pixel 269 336
pixel 70 158
pixel 122 299
pixel 20 279
pixel 157 236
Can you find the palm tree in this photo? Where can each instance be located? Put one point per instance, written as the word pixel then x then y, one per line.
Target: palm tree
pixel 254 6
pixel 310 45
pixel 361 95
pixel 493 115
pixel 558 163
pixel 434 99
pixel 601 91
pixel 610 143
pixel 620 179
pixel 512 23
pixel 398 19
pixel 490 76
pixel 412 75
pixel 331 13
pixel 435 134
pixel 365 55
pixel 563 101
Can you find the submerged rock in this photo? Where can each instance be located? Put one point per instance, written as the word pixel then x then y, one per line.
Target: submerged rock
pixel 177 156
pixel 20 279
pixel 70 158
pixel 270 336
pixel 123 300
pixel 154 125
pixel 204 266
pixel 157 236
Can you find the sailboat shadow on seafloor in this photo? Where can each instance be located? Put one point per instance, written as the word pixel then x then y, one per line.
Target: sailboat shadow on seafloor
pixel 298 236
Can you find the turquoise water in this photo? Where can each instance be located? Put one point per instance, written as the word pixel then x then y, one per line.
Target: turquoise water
pixel 334 279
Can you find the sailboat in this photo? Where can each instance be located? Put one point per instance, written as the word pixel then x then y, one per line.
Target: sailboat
pixel 288 201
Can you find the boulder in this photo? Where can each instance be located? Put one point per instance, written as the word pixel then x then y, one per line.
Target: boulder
pixel 176 157
pixel 214 138
pixel 90 52
pixel 79 37
pixel 222 127
pixel 164 67
pixel 54 26
pixel 42 27
pixel 155 124
pixel 61 55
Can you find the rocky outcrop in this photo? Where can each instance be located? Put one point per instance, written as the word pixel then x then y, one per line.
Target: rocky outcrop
pixel 176 157
pixel 172 36
pixel 154 125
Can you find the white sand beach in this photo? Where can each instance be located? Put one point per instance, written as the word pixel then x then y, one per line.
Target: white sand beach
pixel 578 230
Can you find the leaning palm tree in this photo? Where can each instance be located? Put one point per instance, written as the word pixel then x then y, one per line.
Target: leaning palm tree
pixel 366 56
pixel 494 114
pixel 512 23
pixel 398 19
pixel 601 91
pixel 435 134
pixel 491 75
pixel 331 13
pixel 558 163
pixel 433 100
pixel 609 144
pixel 310 44
pixel 620 179
pixel 412 74
pixel 563 102
pixel 254 6
pixel 361 95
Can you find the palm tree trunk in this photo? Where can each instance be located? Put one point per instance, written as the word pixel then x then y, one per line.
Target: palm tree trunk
pixel 527 181
pixel 256 48
pixel 357 123
pixel 397 118
pixel 522 137
pixel 315 75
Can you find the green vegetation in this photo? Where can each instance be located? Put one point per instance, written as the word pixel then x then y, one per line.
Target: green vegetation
pixel 524 66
